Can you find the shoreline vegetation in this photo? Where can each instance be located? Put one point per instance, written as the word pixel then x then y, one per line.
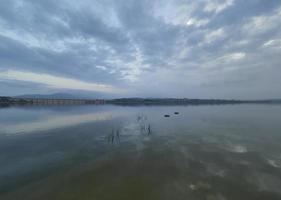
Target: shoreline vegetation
pixel 9 101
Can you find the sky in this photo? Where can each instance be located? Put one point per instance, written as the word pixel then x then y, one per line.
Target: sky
pixel 141 48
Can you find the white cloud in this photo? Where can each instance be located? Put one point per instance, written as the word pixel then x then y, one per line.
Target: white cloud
pixel 56 81
pixel 134 69
pixel 262 24
pixel 129 70
pixel 174 12
pixel 30 39
pixel 101 67
pixel 197 22
pixel 178 12
pixel 232 57
pixel 217 5
pixel 225 61
pixel 276 43
pixel 214 35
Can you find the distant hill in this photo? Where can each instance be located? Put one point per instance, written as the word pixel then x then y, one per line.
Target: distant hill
pixel 50 96
pixel 68 95
pixel 185 101
pixel 171 101
pixel 134 101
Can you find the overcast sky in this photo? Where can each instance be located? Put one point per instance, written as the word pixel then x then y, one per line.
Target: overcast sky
pixel 145 48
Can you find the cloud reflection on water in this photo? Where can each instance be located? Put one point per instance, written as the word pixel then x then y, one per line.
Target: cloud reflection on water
pixel 60 121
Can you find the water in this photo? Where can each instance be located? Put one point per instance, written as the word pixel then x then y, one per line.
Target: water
pixel 113 152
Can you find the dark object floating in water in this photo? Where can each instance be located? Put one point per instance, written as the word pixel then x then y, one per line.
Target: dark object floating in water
pixel 166 115
pixel 176 113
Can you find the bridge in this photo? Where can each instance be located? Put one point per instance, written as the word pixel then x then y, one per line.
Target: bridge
pixel 44 101
pixel 62 101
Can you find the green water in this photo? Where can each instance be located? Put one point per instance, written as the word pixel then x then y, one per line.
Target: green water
pixel 113 152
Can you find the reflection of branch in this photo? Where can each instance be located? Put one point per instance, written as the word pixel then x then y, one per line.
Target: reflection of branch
pixel 149 130
pixel 111 137
pixel 118 135
pixel 144 126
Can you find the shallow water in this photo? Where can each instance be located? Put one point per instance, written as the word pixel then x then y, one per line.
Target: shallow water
pixel 113 152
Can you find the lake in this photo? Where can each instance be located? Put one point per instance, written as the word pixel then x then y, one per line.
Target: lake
pixel 88 152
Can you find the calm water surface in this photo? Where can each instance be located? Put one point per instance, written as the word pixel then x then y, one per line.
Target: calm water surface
pixel 110 152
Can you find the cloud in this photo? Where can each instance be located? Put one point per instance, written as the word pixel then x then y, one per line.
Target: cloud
pixel 233 57
pixel 197 22
pixel 224 62
pixel 59 121
pixel 275 43
pixel 101 67
pixel 218 5
pixel 262 23
pixel 56 81
pixel 148 48
pixel 214 35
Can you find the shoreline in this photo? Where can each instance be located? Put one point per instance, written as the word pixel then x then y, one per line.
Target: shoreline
pixel 10 101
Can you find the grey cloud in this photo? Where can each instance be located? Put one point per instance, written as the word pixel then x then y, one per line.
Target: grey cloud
pixel 133 42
